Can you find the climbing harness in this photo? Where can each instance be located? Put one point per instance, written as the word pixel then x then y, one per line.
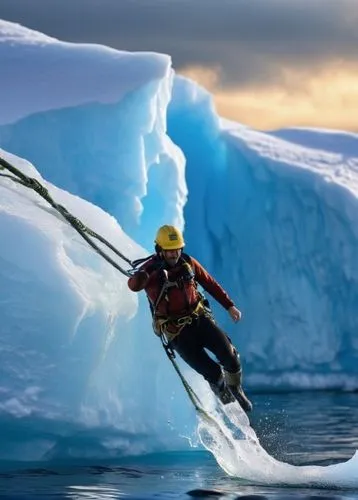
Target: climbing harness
pixel 166 324
pixel 171 327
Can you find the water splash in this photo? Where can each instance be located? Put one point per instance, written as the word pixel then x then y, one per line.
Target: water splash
pixel 236 448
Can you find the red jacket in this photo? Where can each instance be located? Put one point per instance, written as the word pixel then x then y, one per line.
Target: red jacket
pixel 182 299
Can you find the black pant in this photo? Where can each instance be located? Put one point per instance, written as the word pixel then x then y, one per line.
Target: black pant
pixel 203 334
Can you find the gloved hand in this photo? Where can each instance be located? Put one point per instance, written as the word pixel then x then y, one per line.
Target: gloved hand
pixel 141 279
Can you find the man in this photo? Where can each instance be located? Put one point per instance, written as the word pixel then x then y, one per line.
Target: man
pixel 170 280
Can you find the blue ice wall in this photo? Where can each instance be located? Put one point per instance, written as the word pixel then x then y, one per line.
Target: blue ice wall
pixel 194 125
pixel 115 155
pixel 273 224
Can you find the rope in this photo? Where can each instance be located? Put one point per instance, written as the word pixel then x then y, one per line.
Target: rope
pixel 194 398
pixel 83 230
pixel 87 234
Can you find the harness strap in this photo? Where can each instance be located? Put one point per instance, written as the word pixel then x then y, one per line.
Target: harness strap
pixel 171 327
pixel 163 291
pixel 168 325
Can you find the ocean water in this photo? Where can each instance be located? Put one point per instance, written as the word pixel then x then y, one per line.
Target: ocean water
pixel 300 428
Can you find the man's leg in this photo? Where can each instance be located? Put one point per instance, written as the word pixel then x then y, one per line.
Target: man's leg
pixel 214 339
pixel 189 346
pixel 219 344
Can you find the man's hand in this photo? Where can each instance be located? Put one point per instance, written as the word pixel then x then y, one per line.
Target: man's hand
pixel 142 279
pixel 235 313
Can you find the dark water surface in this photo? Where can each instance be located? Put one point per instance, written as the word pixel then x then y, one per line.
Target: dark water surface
pixel 298 428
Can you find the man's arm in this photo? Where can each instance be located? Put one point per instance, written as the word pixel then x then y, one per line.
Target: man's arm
pixel 142 278
pixel 138 281
pixel 212 286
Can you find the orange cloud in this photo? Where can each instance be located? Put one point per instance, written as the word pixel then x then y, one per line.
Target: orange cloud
pixel 328 98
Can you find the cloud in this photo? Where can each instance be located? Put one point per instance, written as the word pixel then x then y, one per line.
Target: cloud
pixel 268 63
pixel 327 99
pixel 247 42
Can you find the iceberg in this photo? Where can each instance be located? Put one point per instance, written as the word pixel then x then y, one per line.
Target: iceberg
pixel 107 114
pixel 126 145
pixel 80 366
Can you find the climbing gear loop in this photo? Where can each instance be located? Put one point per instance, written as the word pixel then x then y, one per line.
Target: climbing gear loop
pixel 172 327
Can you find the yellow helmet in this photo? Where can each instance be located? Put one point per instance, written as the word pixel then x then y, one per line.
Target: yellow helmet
pixel 169 238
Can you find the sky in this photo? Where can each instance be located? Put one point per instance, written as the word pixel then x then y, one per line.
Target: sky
pixel 268 63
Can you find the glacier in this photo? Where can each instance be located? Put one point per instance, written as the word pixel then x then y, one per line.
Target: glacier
pixel 106 111
pixel 126 145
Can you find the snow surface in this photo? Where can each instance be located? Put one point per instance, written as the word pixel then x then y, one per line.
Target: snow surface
pixel 40 73
pixel 127 145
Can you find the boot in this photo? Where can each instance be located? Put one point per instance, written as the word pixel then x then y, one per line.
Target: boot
pixel 221 390
pixel 233 381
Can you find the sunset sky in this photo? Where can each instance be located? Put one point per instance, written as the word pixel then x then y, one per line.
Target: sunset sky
pixel 268 63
